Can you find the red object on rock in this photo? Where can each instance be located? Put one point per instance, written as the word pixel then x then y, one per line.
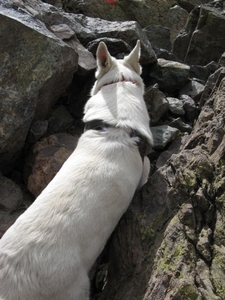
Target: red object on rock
pixel 112 2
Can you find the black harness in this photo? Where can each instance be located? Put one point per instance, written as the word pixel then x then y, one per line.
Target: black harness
pixel 143 145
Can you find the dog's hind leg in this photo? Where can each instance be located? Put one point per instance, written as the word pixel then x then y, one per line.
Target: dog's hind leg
pixel 145 171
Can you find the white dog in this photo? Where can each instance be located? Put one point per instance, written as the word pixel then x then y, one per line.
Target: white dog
pixel 48 252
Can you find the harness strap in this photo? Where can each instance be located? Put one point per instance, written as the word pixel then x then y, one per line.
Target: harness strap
pixel 96 125
pixel 143 145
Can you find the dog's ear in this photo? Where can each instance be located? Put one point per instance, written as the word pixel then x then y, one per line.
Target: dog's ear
pixel 133 58
pixel 104 60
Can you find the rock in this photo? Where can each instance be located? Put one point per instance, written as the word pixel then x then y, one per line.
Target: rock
pixel 191 110
pixel 37 130
pixel 170 75
pixel 29 85
pixel 222 60
pixel 162 135
pixel 179 124
pixel 159 36
pixel 98 9
pixel 174 148
pixel 213 82
pixel 175 106
pixel 57 3
pixel 201 73
pixel 188 5
pixel 63 31
pixel 60 120
pixel 162 53
pixel 45 160
pixel 204 243
pixel 11 195
pixel 203 280
pixel 182 41
pixel 78 93
pixel 202 40
pixel 86 61
pixel 176 20
pixel 117 47
pixel 156 102
pixel 175 256
pixel 193 89
pixel 129 31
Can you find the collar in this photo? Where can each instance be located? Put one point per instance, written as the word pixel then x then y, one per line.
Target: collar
pixel 100 125
pixel 97 125
pixel 123 79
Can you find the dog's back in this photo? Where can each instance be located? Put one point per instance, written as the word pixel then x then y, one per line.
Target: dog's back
pixel 47 253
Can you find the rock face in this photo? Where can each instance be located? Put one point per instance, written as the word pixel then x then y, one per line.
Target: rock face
pixel 170 243
pixel 33 76
pixel 202 40
pixel 173 231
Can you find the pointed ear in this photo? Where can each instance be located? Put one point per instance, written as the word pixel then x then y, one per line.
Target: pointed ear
pixel 133 58
pixel 104 60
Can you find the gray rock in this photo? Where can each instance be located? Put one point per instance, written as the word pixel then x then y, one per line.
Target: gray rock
pixel 201 73
pixel 204 243
pixel 60 120
pixel 222 60
pixel 212 83
pixel 194 89
pixel 36 68
pixel 156 102
pixel 162 53
pixel 117 47
pixel 37 130
pixel 176 20
pixel 11 196
pixel 203 277
pixel 175 106
pixel 179 124
pixel 163 135
pixel 202 40
pixel 63 31
pixel 191 110
pixel 170 75
pixel 174 148
pixel 159 36
pixel 86 61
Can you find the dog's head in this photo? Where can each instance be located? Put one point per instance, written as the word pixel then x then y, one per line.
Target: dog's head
pixel 111 70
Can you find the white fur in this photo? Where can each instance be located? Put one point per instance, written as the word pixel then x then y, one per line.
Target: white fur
pixel 48 252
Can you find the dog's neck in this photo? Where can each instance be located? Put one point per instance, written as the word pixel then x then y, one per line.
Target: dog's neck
pixel 123 79
pixel 100 125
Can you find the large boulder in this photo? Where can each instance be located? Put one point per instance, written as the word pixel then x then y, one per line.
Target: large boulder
pixel 159 36
pixel 36 68
pixel 169 75
pixel 202 40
